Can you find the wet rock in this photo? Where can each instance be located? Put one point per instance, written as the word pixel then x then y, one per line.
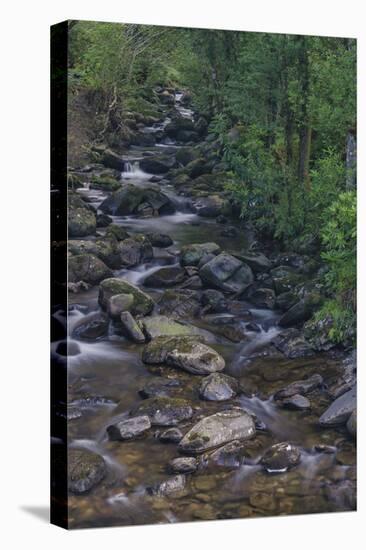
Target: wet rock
pixel 213 301
pixel 157 350
pixel 103 220
pixel 131 428
pixel 218 387
pixel 87 268
pixel 292 344
pixel 352 424
pixel 218 429
pixel 66 348
pixel 227 273
pixel 209 207
pixel 85 470
pixel 191 254
pixel 118 303
pixel 131 328
pixel 105 249
pixel 286 300
pixel 301 386
pixel 142 303
pixel 160 325
pixel 301 311
pixel 326 449
pixel 157 165
pixel 169 487
pixel 160 240
pixel 92 327
pixel 192 283
pixel 262 297
pixel 258 262
pixel 340 410
pixel 117 232
pixel 179 304
pixel 285 279
pixel 221 219
pixel 296 402
pixel 135 250
pixel 126 201
pixel 165 411
pixel 166 277
pixel 231 455
pixel 195 357
pixel 159 388
pixel 112 160
pixel 253 327
pixel 281 457
pixel 81 219
pixel 172 435
pixel 197 167
pixel 183 465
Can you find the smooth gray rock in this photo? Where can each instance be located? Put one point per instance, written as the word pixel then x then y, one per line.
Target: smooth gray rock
pixel 183 465
pixel 129 428
pixel 218 387
pixel 218 429
pixel 300 387
pixel 340 410
pixel 165 411
pixel 169 487
pixel 196 358
pixel 227 273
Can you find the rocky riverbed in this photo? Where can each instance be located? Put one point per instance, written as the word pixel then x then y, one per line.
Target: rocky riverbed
pixel 199 386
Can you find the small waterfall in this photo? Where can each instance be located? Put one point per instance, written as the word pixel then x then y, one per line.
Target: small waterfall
pixel 132 171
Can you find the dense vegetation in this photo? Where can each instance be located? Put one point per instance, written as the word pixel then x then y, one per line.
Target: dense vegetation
pixel 282 108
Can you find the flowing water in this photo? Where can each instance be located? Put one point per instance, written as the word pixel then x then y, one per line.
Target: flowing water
pixel 105 377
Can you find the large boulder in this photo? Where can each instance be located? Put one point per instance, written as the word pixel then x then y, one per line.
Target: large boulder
pixel 185 155
pixel 160 325
pixel 262 297
pixel 87 268
pixel 110 159
pixel 135 250
pixel 258 262
pixel 130 428
pixel 218 429
pixel 160 240
pixel 340 410
pixel 85 470
pixel 227 273
pixel 81 220
pixel 302 310
pixel 164 411
pixel 280 457
pixel 142 303
pixel 209 207
pixel 127 200
pixel 157 165
pixel 118 303
pixel 166 277
pixel 177 126
pixel 191 254
pixel 218 387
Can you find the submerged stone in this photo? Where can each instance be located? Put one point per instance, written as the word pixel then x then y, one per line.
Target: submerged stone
pixel 85 470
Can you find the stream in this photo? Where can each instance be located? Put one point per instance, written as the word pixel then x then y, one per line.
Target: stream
pixel 104 380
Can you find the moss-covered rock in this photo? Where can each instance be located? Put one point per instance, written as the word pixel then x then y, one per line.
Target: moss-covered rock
pixel 160 325
pixel 143 303
pixel 164 411
pixel 191 254
pixel 85 470
pixel 87 268
pixel 81 219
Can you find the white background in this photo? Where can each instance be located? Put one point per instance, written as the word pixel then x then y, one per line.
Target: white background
pixel 24 291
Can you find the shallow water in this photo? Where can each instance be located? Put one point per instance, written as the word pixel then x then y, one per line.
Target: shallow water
pixel 111 371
